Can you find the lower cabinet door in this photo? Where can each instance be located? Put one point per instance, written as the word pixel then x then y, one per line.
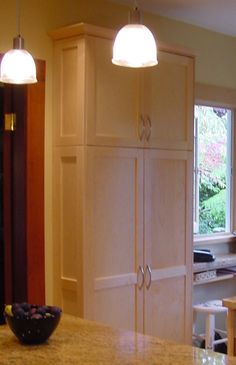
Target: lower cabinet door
pixel 113 239
pixel 168 244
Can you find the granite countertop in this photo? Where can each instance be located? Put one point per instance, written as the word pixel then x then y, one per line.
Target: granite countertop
pixel 80 342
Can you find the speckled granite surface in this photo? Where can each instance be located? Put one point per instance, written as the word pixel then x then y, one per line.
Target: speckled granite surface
pixel 221 261
pixel 80 342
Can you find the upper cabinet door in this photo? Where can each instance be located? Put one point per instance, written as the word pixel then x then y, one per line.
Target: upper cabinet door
pixel 98 103
pixel 167 102
pixel 68 93
pixel 112 98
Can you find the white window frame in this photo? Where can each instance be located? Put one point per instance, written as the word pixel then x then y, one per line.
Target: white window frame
pixel 229 177
pixel 226 98
pixel 195 180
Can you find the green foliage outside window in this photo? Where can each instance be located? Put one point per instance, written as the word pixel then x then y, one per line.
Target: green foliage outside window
pixel 212 214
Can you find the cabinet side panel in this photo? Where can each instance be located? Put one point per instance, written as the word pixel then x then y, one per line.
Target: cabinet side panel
pixel 68 216
pixel 69 92
pixel 68 229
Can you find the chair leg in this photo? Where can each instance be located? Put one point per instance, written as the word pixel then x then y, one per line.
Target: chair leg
pixel 210 331
pixel 231 331
pixel 194 322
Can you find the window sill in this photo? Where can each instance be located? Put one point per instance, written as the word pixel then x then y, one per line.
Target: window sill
pixel 212 240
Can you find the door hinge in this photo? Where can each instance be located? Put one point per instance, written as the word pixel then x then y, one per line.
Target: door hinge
pixel 10 122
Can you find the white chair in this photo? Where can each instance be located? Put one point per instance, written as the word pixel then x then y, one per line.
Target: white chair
pixel 210 309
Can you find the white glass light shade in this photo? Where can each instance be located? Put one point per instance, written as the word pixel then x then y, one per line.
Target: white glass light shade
pixel 135 46
pixel 18 67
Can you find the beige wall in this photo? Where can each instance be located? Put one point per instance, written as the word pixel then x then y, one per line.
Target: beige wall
pixel 215 56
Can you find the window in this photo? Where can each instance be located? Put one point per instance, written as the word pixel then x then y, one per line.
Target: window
pixel 212 169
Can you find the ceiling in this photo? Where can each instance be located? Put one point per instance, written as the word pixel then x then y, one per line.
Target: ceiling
pixel 216 15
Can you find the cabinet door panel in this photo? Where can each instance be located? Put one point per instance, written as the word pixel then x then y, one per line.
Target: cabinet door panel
pixel 68 97
pixel 168 238
pixel 165 312
pixel 67 223
pixel 112 98
pixel 167 101
pixel 113 230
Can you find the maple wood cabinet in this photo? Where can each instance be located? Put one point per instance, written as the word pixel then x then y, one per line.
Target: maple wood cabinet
pixel 104 104
pixel 129 107
pixel 122 208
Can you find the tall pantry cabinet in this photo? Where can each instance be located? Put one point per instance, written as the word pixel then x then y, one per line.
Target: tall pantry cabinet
pixel 122 185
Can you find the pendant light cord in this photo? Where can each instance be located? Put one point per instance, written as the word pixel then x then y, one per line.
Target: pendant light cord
pixel 18 41
pixel 135 16
pixel 18 7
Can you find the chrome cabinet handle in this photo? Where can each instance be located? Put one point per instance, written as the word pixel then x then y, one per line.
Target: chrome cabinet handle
pixel 148 272
pixel 148 128
pixel 141 129
pixel 140 273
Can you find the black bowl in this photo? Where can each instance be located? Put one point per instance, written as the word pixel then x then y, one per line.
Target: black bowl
pixel 34 330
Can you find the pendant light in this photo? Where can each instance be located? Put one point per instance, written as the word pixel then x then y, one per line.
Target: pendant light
pixel 18 66
pixel 135 45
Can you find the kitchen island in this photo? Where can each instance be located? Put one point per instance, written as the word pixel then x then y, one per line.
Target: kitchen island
pixel 81 342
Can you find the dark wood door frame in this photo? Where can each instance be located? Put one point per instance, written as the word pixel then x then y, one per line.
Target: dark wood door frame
pixel 24 192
